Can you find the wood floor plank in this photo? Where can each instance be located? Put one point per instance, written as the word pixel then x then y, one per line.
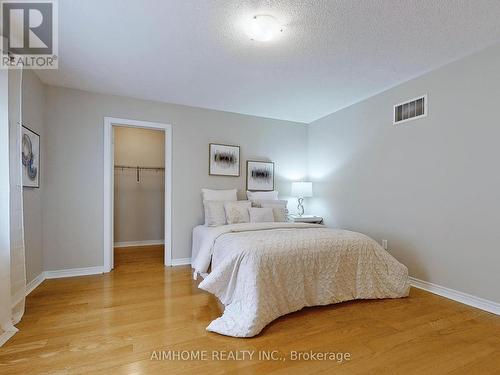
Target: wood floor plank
pixel 113 323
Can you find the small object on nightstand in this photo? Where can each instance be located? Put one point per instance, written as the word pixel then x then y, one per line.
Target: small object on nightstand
pixel 306 219
pixel 301 190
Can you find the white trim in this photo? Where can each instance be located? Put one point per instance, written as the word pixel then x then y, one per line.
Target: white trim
pixel 35 283
pixel 452 294
pixel 4 202
pixel 181 261
pixel 72 272
pixel 109 122
pixel 455 295
pixel 138 243
pixel 426 110
pixel 108 196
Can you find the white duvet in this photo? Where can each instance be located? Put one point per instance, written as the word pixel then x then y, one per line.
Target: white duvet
pixel 266 270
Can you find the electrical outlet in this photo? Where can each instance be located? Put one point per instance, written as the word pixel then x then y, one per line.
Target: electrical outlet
pixel 384 244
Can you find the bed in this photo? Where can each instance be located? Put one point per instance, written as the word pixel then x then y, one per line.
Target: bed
pixel 261 271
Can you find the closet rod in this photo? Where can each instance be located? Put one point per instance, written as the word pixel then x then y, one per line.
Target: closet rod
pixel 140 168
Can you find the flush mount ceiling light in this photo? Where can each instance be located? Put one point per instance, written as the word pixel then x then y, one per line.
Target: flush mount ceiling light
pixel 263 28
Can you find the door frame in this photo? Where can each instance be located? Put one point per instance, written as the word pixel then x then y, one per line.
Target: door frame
pixel 109 122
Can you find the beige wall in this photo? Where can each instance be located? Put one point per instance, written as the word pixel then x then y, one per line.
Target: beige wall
pixel 33 112
pixel 430 187
pixel 138 206
pixel 73 209
pixel 135 146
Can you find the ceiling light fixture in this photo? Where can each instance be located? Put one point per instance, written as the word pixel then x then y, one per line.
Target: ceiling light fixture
pixel 263 28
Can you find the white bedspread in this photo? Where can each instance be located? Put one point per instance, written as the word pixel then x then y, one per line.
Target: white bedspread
pixel 200 233
pixel 266 270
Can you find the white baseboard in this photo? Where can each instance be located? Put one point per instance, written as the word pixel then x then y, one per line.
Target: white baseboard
pixel 452 294
pixel 73 272
pixel 181 261
pixel 138 243
pixel 455 295
pixel 34 283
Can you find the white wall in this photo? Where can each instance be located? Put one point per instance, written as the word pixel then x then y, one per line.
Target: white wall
pixel 73 198
pixel 430 187
pixel 139 206
pixel 33 96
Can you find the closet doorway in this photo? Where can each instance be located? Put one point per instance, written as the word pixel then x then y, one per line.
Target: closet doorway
pixel 137 192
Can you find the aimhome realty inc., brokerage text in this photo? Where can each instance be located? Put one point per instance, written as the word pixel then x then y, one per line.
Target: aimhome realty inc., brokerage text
pixel 248 355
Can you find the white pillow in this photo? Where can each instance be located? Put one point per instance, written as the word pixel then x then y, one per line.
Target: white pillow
pixel 214 213
pixel 261 215
pixel 219 195
pixel 237 212
pixel 262 195
pixel 279 208
pixel 270 203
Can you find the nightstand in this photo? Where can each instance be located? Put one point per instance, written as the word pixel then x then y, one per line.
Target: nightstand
pixel 306 219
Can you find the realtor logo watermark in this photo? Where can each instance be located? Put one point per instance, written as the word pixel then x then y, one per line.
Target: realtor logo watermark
pixel 30 34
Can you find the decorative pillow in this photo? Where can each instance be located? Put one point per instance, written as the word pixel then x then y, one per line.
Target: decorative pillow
pixel 219 195
pixel 262 195
pixel 280 214
pixel 270 203
pixel 279 208
pixel 214 213
pixel 237 212
pixel 261 215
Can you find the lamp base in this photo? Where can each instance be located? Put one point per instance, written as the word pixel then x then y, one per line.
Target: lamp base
pixel 301 206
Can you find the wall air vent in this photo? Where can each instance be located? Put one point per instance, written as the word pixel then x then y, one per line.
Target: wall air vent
pixel 410 110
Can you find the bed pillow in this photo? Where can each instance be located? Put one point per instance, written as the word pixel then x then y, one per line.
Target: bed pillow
pixel 237 212
pixel 214 213
pixel 262 195
pixel 279 208
pixel 261 215
pixel 219 195
pixel 270 203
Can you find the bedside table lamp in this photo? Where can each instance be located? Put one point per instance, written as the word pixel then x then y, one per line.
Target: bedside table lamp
pixel 301 190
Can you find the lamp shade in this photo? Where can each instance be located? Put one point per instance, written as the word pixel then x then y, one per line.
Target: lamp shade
pixel 302 189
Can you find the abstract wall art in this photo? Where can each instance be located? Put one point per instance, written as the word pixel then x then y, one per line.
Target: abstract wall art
pixel 260 175
pixel 30 158
pixel 224 160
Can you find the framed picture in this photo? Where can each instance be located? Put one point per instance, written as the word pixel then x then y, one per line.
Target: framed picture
pixel 30 158
pixel 224 160
pixel 260 175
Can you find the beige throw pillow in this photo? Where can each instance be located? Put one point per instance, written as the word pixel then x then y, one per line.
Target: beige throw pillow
pixel 237 212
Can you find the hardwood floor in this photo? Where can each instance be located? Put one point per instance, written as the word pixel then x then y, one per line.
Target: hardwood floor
pixel 115 323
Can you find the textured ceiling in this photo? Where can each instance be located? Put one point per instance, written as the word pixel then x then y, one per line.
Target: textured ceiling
pixel 331 54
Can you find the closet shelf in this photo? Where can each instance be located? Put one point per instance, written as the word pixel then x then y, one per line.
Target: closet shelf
pixel 139 168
